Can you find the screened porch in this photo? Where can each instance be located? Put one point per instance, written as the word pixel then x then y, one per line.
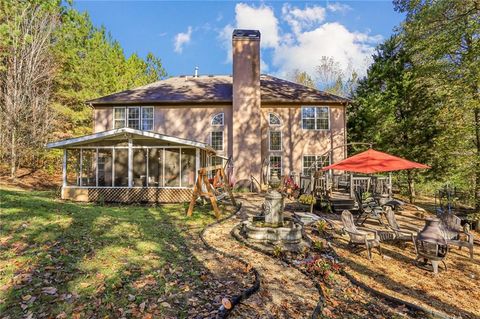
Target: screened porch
pixel 126 165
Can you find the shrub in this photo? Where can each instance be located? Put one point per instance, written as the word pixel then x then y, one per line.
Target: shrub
pixel 307 199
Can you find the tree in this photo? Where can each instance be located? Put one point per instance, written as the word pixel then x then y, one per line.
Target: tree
pixel 302 77
pixel 26 79
pixel 392 111
pixel 444 41
pixel 331 78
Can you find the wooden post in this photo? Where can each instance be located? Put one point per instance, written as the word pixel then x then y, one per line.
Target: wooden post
pixel 64 167
pixel 351 186
pixel 130 163
pixel 390 192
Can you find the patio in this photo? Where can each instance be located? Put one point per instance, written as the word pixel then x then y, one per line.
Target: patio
pixel 396 274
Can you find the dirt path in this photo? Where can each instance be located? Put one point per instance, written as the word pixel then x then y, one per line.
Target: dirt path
pixel 284 292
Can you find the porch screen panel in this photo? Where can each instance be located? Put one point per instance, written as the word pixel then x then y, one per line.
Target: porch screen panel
pixel 105 167
pixel 155 167
pixel 121 167
pixel 73 167
pixel 139 167
pixel 89 167
pixel 188 167
pixel 172 167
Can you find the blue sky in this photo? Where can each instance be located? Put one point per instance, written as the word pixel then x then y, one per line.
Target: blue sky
pixel 295 34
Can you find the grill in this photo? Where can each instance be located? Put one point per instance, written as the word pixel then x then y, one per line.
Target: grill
pixel 431 245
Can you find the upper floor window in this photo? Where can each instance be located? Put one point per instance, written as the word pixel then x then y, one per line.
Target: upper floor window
pixel 216 135
pixel 216 140
pixel 315 118
pixel 274 120
pixel 275 141
pixel 139 118
pixel 217 120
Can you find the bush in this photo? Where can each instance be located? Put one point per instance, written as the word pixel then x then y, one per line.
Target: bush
pixel 307 199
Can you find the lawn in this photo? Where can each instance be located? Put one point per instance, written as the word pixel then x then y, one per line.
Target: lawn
pixel 73 260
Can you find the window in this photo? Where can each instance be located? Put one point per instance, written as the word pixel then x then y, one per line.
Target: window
pixel 274 120
pixel 133 117
pixel 313 162
pixel 119 117
pixel 275 165
pixel 315 118
pixel 216 140
pixel 217 120
pixel 275 141
pixel 147 118
pixel 133 114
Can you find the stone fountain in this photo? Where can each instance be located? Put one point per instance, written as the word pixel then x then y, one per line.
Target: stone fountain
pixel 270 227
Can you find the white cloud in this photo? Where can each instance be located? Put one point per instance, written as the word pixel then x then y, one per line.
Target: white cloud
pixel 299 19
pixel 349 49
pixel 338 7
pixel 303 38
pixel 181 39
pixel 259 18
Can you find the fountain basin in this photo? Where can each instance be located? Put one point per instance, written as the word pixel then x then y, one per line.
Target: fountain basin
pixel 290 233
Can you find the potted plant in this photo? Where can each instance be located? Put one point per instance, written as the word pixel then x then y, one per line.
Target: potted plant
pixel 291 188
pixel 307 201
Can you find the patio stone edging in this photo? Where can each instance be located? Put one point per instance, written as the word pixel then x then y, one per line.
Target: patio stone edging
pixel 320 304
pixel 222 311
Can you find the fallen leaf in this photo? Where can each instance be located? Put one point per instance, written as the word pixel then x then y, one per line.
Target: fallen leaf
pixel 49 290
pixel 26 297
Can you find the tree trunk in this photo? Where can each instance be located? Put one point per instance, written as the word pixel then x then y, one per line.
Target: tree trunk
pixel 411 186
pixel 13 156
pixel 477 160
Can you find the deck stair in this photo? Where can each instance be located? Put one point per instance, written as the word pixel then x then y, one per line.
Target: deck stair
pixel 340 201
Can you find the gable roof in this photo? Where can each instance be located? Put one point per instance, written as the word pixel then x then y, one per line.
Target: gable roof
pixel 215 89
pixel 86 139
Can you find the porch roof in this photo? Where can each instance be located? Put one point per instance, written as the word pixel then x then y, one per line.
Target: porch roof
pixel 127 132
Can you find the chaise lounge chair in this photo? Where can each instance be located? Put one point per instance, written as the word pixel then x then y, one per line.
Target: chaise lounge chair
pixel 360 235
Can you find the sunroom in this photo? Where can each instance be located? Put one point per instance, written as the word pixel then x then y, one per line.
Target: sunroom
pixel 129 165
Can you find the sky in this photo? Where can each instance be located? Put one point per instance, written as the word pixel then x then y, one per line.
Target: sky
pixel 295 35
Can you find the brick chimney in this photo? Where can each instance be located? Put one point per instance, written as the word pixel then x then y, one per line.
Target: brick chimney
pixel 246 133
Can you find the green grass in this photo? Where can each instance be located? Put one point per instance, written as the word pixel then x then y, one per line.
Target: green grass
pixel 102 259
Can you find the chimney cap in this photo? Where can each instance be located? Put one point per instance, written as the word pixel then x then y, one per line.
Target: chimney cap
pixel 245 34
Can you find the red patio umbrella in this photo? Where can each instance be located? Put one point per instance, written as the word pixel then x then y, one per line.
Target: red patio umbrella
pixel 373 161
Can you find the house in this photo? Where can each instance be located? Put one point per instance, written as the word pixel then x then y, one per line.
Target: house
pixel 149 142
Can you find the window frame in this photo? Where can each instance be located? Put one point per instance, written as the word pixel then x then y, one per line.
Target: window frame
pixel 277 116
pixel 270 140
pixel 214 116
pixel 317 157
pixel 152 119
pixel 315 118
pixel 117 119
pixel 223 140
pixel 270 164
pixel 140 119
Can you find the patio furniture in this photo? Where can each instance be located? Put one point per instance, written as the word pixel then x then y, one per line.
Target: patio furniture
pixel 454 230
pixel 431 244
pixel 400 234
pixel 360 235
pixel 368 210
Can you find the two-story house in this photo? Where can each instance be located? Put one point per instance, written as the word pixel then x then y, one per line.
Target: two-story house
pixel 149 142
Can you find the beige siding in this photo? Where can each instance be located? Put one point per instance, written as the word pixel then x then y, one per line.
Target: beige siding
pixel 194 123
pixel 297 142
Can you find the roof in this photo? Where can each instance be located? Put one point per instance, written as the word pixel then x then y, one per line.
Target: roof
pixel 82 140
pixel 215 89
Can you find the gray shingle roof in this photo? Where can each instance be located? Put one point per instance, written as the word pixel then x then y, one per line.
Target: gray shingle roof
pixel 215 89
